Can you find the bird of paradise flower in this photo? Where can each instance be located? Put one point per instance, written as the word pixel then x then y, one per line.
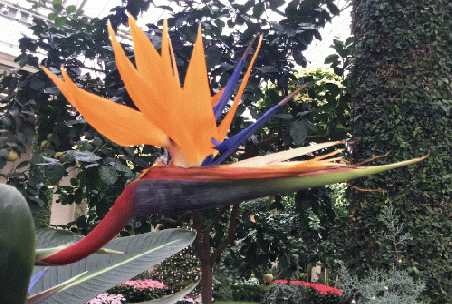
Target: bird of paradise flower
pixel 184 121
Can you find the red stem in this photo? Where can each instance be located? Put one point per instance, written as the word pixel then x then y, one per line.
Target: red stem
pixel 115 220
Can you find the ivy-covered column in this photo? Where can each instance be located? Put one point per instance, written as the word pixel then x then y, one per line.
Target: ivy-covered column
pixel 402 98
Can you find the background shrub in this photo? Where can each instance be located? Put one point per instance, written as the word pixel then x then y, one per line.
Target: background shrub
pixel 136 295
pixel 298 294
pixel 247 290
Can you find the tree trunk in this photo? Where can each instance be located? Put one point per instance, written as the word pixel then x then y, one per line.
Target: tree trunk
pixel 206 282
pixel 203 250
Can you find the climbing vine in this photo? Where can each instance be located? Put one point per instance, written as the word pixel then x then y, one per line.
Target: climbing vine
pixel 401 102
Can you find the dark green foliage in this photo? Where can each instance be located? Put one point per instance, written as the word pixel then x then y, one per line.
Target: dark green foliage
pixel 401 103
pixel 178 271
pixel 297 294
pixel 135 295
pixel 222 284
pixel 246 292
pixel 41 216
pixel 320 113
pixel 298 231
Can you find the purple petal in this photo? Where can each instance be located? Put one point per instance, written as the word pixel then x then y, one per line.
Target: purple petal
pixel 228 90
pixel 232 144
pixel 207 161
pixel 35 279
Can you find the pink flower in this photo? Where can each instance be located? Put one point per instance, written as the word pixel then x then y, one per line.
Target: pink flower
pixel 146 284
pixel 107 299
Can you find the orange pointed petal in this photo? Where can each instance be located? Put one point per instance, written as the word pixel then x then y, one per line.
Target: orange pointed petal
pixel 169 70
pixel 223 129
pixel 119 123
pixel 147 59
pixel 150 65
pixel 145 95
pixel 165 51
pixel 199 120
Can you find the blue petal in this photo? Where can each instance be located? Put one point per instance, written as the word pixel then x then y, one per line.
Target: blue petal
pixel 232 144
pixel 35 279
pixel 207 161
pixel 228 90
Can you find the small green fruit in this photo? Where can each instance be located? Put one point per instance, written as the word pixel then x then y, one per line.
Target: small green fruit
pixel 45 144
pixel 61 156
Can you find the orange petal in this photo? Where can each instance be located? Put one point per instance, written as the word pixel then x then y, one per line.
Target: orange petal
pixel 147 59
pixel 223 129
pixel 146 95
pixel 199 120
pixel 168 111
pixel 119 123
pixel 150 65
pixel 165 51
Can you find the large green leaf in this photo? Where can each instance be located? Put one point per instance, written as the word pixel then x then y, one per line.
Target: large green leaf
pixel 42 296
pixel 17 242
pixel 107 270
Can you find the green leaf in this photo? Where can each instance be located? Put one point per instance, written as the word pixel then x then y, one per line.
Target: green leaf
pixel 17 246
pixel 122 168
pixel 52 16
pixel 47 238
pixel 60 21
pixel 42 296
pixel 213 57
pixel 105 271
pixel 58 7
pixel 71 9
pixel 22 164
pixel 97 141
pixel 108 175
pixel 333 8
pixel 23 61
pixel 82 156
pixel 333 59
pixel 258 9
pixel 54 172
pixel 4 152
pixel 274 4
pixel 299 131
